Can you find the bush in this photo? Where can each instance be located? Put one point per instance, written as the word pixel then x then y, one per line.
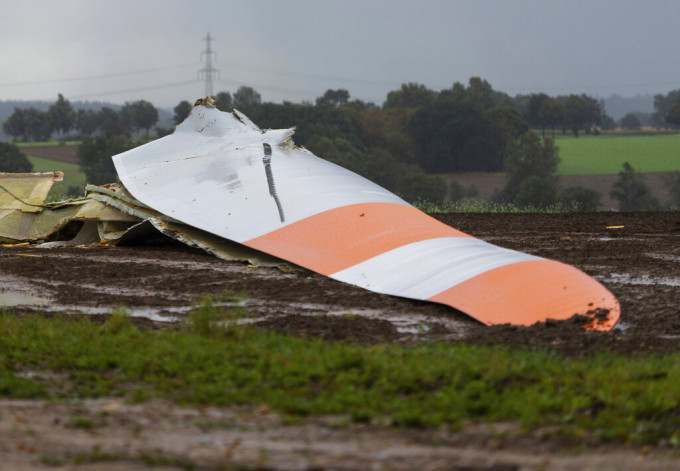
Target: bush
pixel 13 160
pixel 539 192
pixel 457 192
pixel 580 198
pixel 673 184
pixel 632 192
pixel 630 121
pixel 94 157
pixel 418 186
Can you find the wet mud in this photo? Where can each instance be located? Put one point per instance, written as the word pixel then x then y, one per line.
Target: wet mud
pixel 635 255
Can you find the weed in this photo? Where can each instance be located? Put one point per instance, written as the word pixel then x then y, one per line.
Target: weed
pixel 118 321
pixel 211 319
pixel 215 361
pixel 80 421
pixel 480 206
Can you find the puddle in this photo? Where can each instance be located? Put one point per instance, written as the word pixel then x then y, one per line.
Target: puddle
pixel 215 265
pixel 669 258
pixel 404 323
pixel 12 299
pixel 621 326
pixel 21 294
pixel 627 279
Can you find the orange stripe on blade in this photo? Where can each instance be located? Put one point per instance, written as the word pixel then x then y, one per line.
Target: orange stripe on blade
pixel 528 292
pixel 342 237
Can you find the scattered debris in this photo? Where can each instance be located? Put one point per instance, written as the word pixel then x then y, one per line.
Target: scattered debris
pixel 221 183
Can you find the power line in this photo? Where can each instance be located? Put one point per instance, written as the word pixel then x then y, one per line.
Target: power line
pixel 593 87
pixel 132 90
pixel 96 77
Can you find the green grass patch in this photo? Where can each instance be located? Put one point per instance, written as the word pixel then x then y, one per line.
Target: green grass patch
pixel 46 144
pixel 612 397
pixel 482 206
pixel 605 154
pixel 72 176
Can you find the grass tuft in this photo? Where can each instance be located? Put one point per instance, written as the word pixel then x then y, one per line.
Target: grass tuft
pixel 481 206
pixel 213 360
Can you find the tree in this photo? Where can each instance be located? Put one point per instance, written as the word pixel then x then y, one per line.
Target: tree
pixel 550 114
pixel 29 124
pixel 581 112
pixel 479 91
pixel 533 107
pixel 61 116
pixel 506 124
pixel 13 160
pixel 530 156
pixel 110 122
pixel 421 187
pixel 126 118
pixel 454 135
pixel 673 183
pixel 15 125
pixel 87 121
pixel 673 115
pixel 632 192
pixel 630 121
pixel 145 116
pixel 536 191
pixel 223 101
pixel 608 123
pixel 580 198
pixel 246 97
pixel 139 115
pixel 182 110
pixel 662 105
pixel 334 98
pixel 410 95
pixel 94 157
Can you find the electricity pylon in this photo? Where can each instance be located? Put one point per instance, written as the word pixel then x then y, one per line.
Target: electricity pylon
pixel 208 72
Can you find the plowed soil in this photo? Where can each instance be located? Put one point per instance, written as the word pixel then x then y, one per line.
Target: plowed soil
pixel 66 154
pixel 636 255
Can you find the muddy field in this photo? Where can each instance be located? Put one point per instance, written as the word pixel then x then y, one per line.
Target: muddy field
pixel 639 263
pixel 488 183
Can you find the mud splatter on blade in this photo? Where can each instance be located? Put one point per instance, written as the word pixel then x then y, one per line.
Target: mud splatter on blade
pixel 220 173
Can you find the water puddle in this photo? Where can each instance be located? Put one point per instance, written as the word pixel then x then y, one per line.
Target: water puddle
pixel 622 326
pixel 405 323
pixel 413 324
pixel 668 258
pixel 628 279
pixel 12 299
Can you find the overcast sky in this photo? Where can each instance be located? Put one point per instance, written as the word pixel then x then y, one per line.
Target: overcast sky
pixel 125 50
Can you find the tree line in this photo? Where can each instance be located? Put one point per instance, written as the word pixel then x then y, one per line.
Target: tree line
pixel 401 145
pixel 33 125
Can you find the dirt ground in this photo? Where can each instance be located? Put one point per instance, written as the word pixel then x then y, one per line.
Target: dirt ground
pixel 59 153
pixel 487 183
pixel 639 263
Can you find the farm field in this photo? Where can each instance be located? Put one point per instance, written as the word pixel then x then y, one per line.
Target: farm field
pixel 72 175
pixel 637 262
pixel 605 154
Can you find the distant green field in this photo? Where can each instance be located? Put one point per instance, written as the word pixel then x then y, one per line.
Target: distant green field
pixel 46 144
pixel 72 175
pixel 605 154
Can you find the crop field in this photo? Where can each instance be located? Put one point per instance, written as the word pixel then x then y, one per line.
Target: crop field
pixel 72 175
pixel 133 356
pixel 605 154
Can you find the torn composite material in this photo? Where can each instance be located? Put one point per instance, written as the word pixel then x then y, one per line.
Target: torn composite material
pixel 221 173
pixel 108 215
